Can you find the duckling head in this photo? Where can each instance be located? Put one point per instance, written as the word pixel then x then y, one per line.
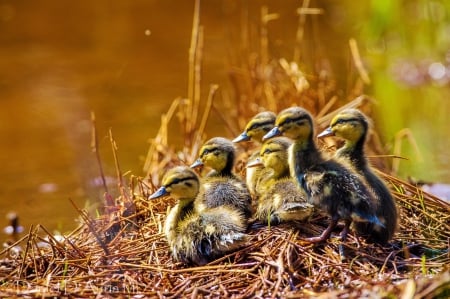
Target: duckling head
pixel 350 124
pixel 217 153
pixel 257 127
pixel 180 183
pixel 274 155
pixel 295 123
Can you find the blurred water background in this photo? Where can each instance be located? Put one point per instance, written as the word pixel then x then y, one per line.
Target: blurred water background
pixel 127 61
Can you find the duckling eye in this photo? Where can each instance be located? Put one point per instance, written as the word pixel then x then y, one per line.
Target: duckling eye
pixel 339 121
pixel 300 120
pixel 260 125
pixel 252 127
pixel 267 151
pixel 179 180
pixel 286 122
pixel 207 151
pixel 343 121
pixel 175 181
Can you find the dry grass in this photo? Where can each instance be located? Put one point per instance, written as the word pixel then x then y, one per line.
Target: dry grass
pixel 122 251
pixel 116 254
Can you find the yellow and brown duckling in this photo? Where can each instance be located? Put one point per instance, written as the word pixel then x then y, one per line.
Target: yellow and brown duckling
pixel 198 238
pixel 255 129
pixel 353 126
pixel 330 185
pixel 221 186
pixel 281 198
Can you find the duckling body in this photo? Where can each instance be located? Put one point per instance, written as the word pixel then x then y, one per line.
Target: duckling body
pixel 221 186
pixel 198 238
pixel 330 185
pixel 352 125
pixel 255 129
pixel 281 199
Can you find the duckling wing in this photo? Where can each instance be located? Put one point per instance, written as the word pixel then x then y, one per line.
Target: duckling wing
pixel 202 238
pixel 284 201
pixel 225 227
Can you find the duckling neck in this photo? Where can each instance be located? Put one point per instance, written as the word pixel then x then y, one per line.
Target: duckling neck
pixel 185 206
pixel 228 169
pixel 305 155
pixel 281 173
pixel 354 152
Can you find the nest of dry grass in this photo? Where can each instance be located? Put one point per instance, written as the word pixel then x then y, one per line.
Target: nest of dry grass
pixel 125 253
pixel 122 252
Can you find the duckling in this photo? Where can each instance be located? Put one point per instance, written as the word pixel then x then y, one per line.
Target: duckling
pixel 255 129
pixel 221 186
pixel 281 199
pixel 352 125
pixel 193 237
pixel 330 185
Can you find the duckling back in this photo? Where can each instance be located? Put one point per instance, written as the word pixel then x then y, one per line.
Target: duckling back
pixel 335 189
pixel 219 191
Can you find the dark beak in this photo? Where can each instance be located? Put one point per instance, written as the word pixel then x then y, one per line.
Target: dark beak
pixel 272 133
pixel 327 132
pixel 242 137
pixel 197 163
pixel 159 193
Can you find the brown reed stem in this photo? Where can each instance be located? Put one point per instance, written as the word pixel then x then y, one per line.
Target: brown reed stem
pixel 358 61
pixel 300 32
pixel 90 225
pixel 117 166
pixel 95 149
pixel 212 92
pixel 192 72
pixel 25 254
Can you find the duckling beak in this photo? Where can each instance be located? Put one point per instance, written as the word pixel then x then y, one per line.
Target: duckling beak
pixel 255 163
pixel 327 132
pixel 272 133
pixel 158 193
pixel 197 163
pixel 242 137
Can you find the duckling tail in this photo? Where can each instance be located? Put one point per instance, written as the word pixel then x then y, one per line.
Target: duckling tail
pixel 362 217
